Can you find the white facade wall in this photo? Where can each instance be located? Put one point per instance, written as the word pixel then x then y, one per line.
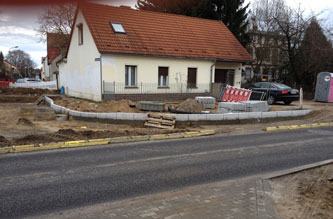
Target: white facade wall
pixel 80 75
pixel 46 69
pixel 147 73
pixel 54 68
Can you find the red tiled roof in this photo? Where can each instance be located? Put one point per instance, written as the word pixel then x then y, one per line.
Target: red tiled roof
pixel 54 41
pixel 161 34
pixel 10 64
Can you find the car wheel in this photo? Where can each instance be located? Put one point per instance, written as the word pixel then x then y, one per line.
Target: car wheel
pixel 287 102
pixel 271 100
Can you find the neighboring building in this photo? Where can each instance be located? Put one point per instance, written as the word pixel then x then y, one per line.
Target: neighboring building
pixel 56 47
pixel 42 69
pixel 269 58
pixel 12 71
pixel 118 52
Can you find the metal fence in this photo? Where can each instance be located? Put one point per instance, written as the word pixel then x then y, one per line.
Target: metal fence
pixel 154 88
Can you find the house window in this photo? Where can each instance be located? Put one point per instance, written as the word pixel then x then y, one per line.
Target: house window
pixel 80 33
pixel 130 75
pixel 163 73
pixel 248 73
pixel 192 78
pixel 118 28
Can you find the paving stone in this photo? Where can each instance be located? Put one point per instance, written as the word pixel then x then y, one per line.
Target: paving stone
pixel 229 199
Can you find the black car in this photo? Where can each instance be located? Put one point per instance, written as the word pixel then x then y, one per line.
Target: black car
pixel 273 92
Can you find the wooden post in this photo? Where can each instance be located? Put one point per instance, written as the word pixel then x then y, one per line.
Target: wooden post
pixel 301 98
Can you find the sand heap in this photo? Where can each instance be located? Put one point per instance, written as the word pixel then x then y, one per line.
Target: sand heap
pixel 190 105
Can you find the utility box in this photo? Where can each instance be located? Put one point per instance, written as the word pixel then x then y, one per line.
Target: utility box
pixel 324 87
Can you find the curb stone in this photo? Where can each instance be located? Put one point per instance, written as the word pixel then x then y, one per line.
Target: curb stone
pixel 294 127
pixel 265 202
pixel 180 117
pixel 104 141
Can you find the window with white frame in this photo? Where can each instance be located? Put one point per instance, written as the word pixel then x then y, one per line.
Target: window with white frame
pixel 130 75
pixel 163 74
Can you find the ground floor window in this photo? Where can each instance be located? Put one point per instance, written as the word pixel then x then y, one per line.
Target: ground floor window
pixel 130 75
pixel 192 78
pixel 248 73
pixel 163 73
pixel 225 76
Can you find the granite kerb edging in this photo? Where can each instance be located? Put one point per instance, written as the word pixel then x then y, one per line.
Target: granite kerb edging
pixel 180 117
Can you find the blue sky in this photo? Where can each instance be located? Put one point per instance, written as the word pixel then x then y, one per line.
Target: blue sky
pixel 18 25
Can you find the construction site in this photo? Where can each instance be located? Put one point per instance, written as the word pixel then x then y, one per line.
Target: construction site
pixel 26 119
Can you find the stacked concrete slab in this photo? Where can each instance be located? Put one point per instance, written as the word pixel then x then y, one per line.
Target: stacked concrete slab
pixel 151 106
pixel 207 102
pixel 246 106
pixel 256 106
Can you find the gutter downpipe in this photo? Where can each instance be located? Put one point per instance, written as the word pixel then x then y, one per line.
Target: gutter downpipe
pixel 211 76
pixel 100 66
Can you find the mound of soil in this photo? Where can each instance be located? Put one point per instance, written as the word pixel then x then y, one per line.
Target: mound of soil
pixel 125 106
pixel 71 135
pixel 24 121
pixel 190 105
pixel 26 91
pixel 17 99
pixel 4 142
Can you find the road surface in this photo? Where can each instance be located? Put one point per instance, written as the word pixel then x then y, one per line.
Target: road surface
pixel 43 182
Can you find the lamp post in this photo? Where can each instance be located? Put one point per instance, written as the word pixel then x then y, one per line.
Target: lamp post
pixel 14 47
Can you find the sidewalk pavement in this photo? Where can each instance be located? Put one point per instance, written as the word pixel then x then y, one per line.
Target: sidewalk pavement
pixel 240 198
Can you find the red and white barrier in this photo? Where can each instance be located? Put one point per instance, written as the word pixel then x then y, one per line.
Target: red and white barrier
pixel 232 94
pixel 5 83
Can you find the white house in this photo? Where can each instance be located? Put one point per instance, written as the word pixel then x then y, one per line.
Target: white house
pixel 118 52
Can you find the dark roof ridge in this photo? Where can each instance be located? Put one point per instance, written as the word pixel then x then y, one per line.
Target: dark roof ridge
pixel 158 12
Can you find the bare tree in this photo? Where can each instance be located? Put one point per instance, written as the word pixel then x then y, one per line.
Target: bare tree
pixel 265 34
pixel 57 19
pixel 315 55
pixel 292 24
pixel 21 59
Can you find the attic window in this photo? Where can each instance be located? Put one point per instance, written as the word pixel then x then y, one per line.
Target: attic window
pixel 118 28
pixel 80 34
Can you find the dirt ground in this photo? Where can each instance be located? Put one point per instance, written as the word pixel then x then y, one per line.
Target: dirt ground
pixel 305 195
pixel 17 128
pixel 26 91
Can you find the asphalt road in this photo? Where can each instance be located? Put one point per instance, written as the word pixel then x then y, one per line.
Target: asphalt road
pixel 42 182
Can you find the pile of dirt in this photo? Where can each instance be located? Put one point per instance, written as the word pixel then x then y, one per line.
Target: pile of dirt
pixel 24 121
pixel 17 99
pixel 125 106
pixel 26 91
pixel 190 105
pixel 71 135
pixel 4 142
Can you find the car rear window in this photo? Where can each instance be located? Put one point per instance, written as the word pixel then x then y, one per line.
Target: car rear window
pixel 256 85
pixel 266 85
pixel 281 86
